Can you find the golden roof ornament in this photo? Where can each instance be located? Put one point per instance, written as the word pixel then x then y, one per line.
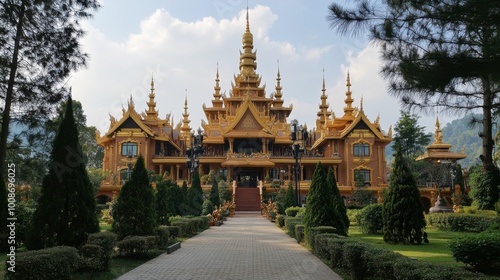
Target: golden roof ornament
pixel 348 110
pixel 438 136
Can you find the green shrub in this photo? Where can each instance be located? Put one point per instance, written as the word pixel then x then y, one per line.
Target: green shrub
pixel 95 259
pixel 317 230
pixel 292 211
pixel 370 219
pixel 52 263
pixel 460 221
pixel 495 227
pixel 280 221
pixel 299 232
pixel 174 232
pixel 477 250
pixel 105 239
pixel 162 234
pixel 272 216
pixel 136 245
pixel 185 228
pixel 353 215
pixel 290 223
pixel 322 245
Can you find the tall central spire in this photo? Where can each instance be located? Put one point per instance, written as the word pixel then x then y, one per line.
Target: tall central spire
pixel 348 109
pixel 247 57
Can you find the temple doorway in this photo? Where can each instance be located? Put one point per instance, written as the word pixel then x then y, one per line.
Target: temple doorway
pixel 249 177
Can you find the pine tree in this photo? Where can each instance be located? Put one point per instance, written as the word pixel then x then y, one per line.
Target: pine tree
pixel 66 207
pixel 134 212
pixel 184 203
pixel 338 202
pixel 195 196
pixel 214 193
pixel 290 197
pixel 402 212
pixel 163 207
pixel 320 209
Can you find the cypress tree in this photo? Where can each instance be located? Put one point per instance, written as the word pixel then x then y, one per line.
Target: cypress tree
pixel 134 212
pixel 66 207
pixel 402 212
pixel 338 203
pixel 163 207
pixel 290 197
pixel 214 193
pixel 195 196
pixel 320 209
pixel 184 203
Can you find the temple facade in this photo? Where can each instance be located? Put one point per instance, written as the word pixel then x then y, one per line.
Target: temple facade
pixel 247 137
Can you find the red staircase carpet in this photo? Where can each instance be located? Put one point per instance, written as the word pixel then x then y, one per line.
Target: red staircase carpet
pixel 247 199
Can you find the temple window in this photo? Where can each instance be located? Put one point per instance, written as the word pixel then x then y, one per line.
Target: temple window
pixel 129 148
pixel 361 150
pixel 361 177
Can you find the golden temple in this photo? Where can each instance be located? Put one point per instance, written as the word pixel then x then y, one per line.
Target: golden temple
pixel 247 135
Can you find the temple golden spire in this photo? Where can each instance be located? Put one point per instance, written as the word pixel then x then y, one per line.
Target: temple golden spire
pixel 348 109
pixel 323 113
pixel 247 57
pixel 217 102
pixel 278 102
pixel 131 106
pixel 186 129
pixel 151 112
pixel 438 135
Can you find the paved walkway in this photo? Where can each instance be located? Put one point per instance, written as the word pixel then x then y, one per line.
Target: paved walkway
pixel 246 246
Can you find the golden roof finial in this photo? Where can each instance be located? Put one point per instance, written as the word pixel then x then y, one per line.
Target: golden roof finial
pixel 361 103
pixel 323 113
pixel 438 135
pixel 348 110
pixel 131 104
pixel 186 129
pixel 217 94
pixel 247 57
pixel 278 102
pixel 151 112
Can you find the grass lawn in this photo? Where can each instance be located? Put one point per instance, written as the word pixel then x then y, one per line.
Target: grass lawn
pixel 435 251
pixel 105 227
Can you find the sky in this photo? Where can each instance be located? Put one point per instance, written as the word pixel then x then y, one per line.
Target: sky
pixel 180 44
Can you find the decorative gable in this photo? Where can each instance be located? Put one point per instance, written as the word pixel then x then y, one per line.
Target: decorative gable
pixel 248 122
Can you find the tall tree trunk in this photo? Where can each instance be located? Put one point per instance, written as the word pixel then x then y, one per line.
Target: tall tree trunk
pixel 487 154
pixel 10 91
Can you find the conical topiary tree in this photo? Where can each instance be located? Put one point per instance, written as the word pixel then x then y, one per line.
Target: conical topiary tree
pixel 195 196
pixel 402 212
pixel 184 205
pixel 290 197
pixel 214 193
pixel 164 208
pixel 66 207
pixel 320 209
pixel 338 203
pixel 134 212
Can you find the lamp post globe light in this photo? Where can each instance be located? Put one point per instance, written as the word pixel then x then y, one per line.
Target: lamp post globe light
pixel 194 151
pixel 299 136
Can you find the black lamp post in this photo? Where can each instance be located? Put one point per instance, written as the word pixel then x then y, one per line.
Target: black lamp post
pixel 195 151
pixel 299 138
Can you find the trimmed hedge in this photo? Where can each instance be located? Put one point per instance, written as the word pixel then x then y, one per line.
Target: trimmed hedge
pixel 461 221
pixel 480 250
pixel 162 234
pixel 132 246
pixel 292 211
pixel 290 223
pixel 312 232
pixel 360 259
pixel 174 232
pixel 52 263
pixel 299 232
pixel 96 253
pixel 280 221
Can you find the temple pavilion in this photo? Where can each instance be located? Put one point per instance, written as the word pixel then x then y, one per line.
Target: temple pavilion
pixel 247 137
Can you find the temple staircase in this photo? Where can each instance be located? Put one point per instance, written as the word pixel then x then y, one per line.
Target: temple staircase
pixel 247 199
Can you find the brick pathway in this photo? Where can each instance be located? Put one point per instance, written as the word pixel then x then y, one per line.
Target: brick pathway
pixel 246 246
